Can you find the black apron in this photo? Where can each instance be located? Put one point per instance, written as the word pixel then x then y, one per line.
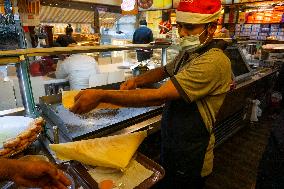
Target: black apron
pixel 184 143
pixel 185 139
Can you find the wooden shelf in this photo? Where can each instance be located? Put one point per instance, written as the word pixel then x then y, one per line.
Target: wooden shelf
pixel 13 56
pixel 9 60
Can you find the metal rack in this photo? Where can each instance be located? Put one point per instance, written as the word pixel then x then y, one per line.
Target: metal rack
pixel 20 57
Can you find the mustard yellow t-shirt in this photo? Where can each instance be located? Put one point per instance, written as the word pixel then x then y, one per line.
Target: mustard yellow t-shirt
pixel 205 79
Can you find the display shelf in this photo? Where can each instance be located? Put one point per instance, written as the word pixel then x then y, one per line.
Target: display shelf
pixel 21 56
pixel 266 1
pixel 264 40
pixel 260 31
pixel 8 60
pixel 14 56
pixel 264 23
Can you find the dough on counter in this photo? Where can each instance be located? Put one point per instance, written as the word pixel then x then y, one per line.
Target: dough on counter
pixel 112 151
pixel 68 101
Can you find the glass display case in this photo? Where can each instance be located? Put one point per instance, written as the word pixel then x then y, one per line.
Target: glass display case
pixel 21 59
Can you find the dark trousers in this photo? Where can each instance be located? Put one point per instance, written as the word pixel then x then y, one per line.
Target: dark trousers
pixel 271 167
pixel 141 56
pixel 281 83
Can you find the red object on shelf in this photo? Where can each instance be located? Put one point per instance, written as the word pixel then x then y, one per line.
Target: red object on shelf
pixel 41 67
pixel 26 29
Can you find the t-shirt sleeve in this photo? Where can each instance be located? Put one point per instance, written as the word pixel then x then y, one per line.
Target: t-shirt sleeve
pixel 169 68
pixel 199 79
pixel 61 71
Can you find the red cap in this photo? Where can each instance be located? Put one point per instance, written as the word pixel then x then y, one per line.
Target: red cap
pixel 200 6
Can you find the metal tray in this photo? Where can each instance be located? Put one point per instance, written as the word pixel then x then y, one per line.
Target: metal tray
pixel 94 124
pixel 158 174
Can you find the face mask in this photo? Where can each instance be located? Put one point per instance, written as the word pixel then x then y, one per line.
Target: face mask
pixel 191 41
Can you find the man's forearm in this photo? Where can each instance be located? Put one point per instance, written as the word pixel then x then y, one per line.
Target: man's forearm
pixel 134 98
pixel 150 77
pixel 5 167
pixel 89 99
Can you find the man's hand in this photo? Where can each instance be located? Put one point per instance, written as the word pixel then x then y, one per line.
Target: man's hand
pixel 128 85
pixel 87 100
pixel 37 174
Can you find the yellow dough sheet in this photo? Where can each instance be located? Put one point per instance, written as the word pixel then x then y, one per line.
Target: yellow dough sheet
pixel 112 151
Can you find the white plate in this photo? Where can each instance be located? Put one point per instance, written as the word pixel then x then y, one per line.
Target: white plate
pixel 11 126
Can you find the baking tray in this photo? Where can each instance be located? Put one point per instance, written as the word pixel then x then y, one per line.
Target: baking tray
pixel 95 124
pixel 158 172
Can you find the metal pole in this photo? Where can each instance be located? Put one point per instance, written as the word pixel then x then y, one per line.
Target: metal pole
pixel 25 88
pixel 164 56
pixel 23 70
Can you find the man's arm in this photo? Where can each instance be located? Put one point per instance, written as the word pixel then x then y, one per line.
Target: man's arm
pixel 87 100
pixel 33 174
pixel 4 170
pixel 60 71
pixel 152 76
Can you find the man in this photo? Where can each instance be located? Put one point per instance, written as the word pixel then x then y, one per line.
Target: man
pixel 33 174
pixel 143 35
pixel 78 68
pixel 67 39
pixel 200 77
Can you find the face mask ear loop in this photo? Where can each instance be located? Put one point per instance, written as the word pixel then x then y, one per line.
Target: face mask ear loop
pixel 202 32
pixel 206 40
